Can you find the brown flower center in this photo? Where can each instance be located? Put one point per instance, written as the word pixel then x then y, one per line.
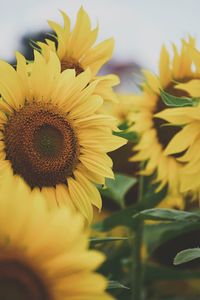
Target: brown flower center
pixel 18 281
pixel 164 132
pixel 41 145
pixel 71 63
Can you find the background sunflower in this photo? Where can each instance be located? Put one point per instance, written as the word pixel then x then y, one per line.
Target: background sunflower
pixel 154 133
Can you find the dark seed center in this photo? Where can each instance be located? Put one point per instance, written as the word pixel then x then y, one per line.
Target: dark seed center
pixel 48 141
pixel 71 63
pixel 41 145
pixel 18 281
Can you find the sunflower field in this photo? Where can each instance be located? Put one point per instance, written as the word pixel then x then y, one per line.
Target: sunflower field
pixel 99 187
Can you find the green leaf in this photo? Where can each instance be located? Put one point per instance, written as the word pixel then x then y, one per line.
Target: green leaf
pixel 161 214
pixel 116 285
pixel 174 101
pixel 120 218
pixel 156 273
pixel 151 197
pixel 116 189
pixel 128 135
pixel 96 240
pixel 157 234
pixel 186 256
pixel 125 216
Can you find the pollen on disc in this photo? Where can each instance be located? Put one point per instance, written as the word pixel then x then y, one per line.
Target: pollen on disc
pixel 41 145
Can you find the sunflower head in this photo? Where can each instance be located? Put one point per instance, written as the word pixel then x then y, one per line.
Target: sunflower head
pixel 122 109
pixel 75 47
pixel 52 136
pixel 42 257
pixel 155 133
pixel 185 144
pixel 76 50
pixel 41 145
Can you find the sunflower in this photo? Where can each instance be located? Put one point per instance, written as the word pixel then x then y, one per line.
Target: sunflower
pixel 51 136
pixel 42 256
pixel 75 49
pixel 122 108
pixel 154 133
pixel 186 142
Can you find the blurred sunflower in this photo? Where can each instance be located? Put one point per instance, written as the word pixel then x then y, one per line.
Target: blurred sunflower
pixel 51 136
pixel 154 133
pixel 122 108
pixel 75 49
pixel 186 142
pixel 42 256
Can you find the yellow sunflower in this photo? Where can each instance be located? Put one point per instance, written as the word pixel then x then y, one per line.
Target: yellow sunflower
pixel 187 141
pixel 51 136
pixel 75 49
pixel 122 109
pixel 43 255
pixel 153 132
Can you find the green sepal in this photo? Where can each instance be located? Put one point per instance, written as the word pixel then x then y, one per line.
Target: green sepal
pixel 173 101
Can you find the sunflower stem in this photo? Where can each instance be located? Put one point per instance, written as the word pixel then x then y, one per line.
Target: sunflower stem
pixel 137 268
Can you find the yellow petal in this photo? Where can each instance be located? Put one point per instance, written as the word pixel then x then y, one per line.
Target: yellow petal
pixel 183 139
pixel 10 85
pixel 80 198
pixel 164 66
pixel 152 81
pixel 90 188
pixel 179 116
pixel 82 28
pixel 96 166
pixel 192 87
pixel 89 106
pixel 96 57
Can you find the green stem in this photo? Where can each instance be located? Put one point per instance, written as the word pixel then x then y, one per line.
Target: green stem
pixel 137 269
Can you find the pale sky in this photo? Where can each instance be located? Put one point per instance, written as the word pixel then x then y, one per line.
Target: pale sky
pixel 139 27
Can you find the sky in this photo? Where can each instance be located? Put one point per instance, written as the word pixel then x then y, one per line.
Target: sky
pixel 139 27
